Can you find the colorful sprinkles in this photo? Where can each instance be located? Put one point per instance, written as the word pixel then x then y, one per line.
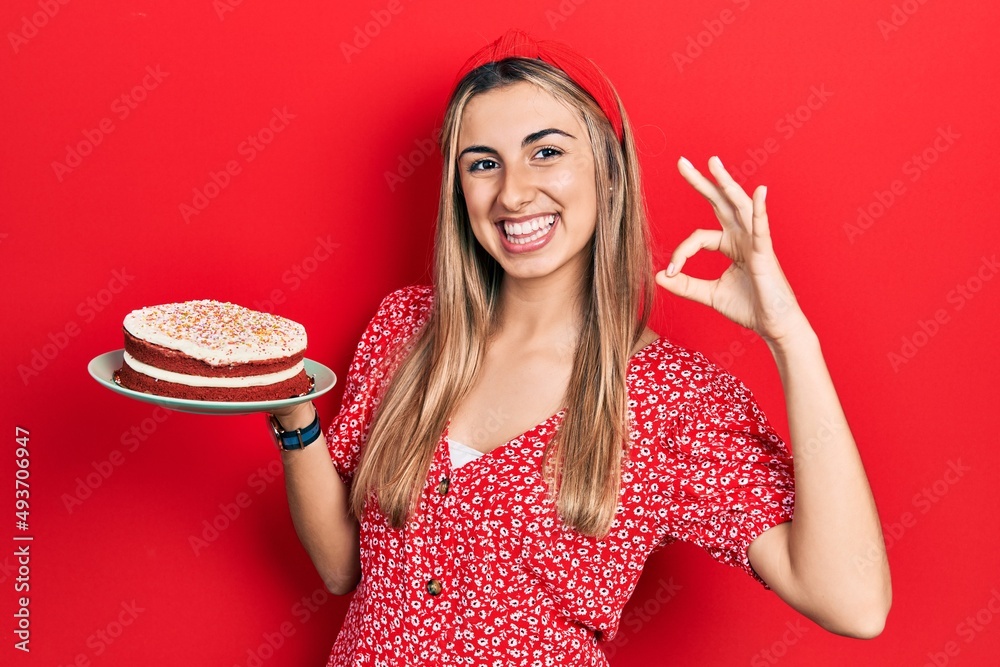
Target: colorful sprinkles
pixel 217 332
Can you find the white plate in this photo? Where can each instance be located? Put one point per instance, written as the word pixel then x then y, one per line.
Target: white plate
pixel 103 367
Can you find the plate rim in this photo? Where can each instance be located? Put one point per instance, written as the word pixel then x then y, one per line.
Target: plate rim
pixel 114 357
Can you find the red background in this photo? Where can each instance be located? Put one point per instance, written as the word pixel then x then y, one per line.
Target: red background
pixel 350 167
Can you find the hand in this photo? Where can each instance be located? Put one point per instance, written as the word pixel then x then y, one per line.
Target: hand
pixel 752 291
pixel 296 416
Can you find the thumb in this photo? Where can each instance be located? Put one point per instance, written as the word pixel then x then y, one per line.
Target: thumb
pixel 685 286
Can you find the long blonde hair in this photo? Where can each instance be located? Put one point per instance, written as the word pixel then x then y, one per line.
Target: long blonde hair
pixel 584 459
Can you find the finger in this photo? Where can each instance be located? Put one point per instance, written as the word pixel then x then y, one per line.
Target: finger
pixel 733 191
pixel 723 209
pixel 700 239
pixel 761 227
pixel 705 187
pixel 683 285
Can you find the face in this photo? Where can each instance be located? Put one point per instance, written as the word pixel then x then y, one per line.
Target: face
pixel 527 172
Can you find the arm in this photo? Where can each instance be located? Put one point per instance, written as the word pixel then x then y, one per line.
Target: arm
pixel 829 563
pixel 318 502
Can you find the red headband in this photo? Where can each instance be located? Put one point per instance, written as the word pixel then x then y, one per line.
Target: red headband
pixel 518 44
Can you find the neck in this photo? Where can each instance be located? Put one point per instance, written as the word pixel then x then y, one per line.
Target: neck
pixel 542 307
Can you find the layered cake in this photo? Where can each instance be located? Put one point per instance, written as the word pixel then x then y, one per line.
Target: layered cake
pixel 213 351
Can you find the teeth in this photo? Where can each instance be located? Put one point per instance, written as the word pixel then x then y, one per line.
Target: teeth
pixel 536 228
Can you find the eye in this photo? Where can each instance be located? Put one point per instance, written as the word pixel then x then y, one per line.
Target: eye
pixel 483 164
pixel 547 152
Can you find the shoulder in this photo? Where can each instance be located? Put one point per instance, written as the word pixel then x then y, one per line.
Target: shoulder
pixel 684 383
pixel 667 364
pixel 396 321
pixel 401 313
pixel 414 300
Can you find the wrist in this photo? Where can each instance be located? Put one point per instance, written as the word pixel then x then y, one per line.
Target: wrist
pixel 802 342
pixel 298 417
pixel 790 331
pixel 291 439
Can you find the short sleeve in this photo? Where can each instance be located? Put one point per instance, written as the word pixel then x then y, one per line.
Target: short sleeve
pixel 399 317
pixel 733 476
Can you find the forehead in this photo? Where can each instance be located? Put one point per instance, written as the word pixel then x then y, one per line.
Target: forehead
pixel 515 111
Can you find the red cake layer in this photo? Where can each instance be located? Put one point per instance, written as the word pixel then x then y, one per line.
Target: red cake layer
pixel 167 359
pixel 295 386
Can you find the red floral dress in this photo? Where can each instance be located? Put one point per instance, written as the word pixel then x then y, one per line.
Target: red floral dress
pixel 485 573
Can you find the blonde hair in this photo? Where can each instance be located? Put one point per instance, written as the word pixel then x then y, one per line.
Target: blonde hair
pixel 583 461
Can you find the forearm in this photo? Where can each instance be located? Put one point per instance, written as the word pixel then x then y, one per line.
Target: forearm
pixel 835 550
pixel 318 502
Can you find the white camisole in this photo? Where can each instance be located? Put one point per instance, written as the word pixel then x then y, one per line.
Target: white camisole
pixel 461 454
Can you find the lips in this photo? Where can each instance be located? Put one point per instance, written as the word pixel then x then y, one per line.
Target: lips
pixel 527 234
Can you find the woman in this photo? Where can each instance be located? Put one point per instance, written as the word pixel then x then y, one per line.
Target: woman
pixel 515 441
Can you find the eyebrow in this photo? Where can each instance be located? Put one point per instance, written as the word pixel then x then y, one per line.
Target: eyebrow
pixel 527 141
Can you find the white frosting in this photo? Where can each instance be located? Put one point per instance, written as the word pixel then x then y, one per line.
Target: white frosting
pixel 217 333
pixel 202 381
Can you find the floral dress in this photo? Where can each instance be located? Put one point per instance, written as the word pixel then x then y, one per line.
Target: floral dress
pixel 485 572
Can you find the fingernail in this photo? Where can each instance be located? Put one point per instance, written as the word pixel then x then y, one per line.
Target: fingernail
pixel 763 192
pixel 670 269
pixel 686 161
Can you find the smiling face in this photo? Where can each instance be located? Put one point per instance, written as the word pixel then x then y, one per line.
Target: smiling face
pixel 527 174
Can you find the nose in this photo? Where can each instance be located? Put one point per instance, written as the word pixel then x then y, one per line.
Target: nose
pixel 516 189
